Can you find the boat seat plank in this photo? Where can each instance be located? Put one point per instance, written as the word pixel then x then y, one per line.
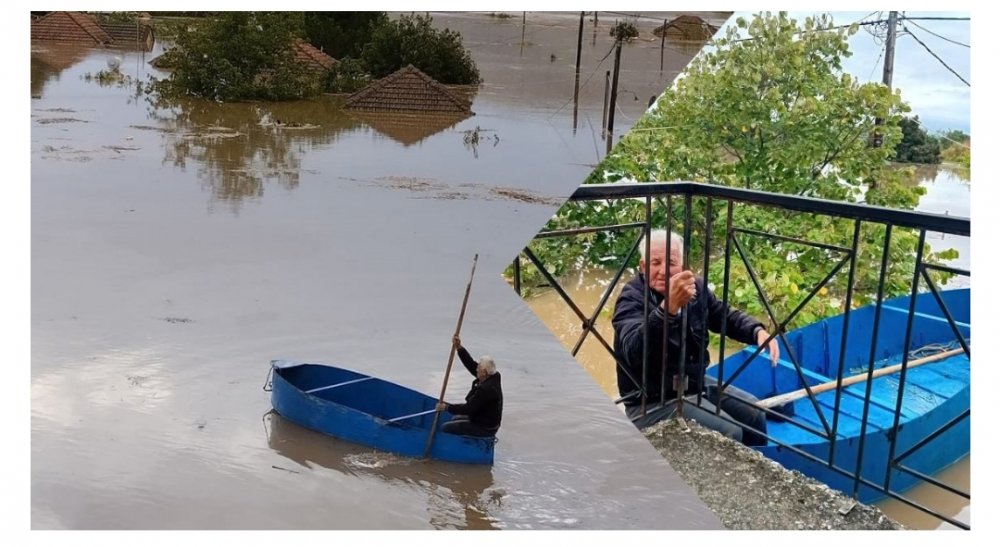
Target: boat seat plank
pixel 331 386
pixel 940 318
pixel 414 415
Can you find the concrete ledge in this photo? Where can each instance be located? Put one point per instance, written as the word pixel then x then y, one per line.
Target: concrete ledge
pixel 750 492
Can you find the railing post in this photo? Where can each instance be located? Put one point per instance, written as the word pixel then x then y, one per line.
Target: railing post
pixel 664 358
pixel 706 251
pixel 517 275
pixel 918 266
pixel 871 358
pixel 645 306
pixel 843 337
pixel 682 366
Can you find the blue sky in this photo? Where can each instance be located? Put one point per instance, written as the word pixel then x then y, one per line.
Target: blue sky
pixel 933 93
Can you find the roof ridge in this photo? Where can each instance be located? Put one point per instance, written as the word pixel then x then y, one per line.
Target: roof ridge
pixel 438 86
pixel 433 96
pixel 75 15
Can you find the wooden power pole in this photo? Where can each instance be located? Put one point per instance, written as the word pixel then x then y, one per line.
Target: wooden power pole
pixel 890 53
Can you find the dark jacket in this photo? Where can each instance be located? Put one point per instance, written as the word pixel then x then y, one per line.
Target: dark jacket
pixel 484 403
pixel 627 322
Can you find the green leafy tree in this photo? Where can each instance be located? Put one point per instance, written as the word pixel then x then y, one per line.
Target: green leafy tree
pixel 347 76
pixel 342 33
pixel 623 31
pixel 916 145
pixel 239 56
pixel 412 40
pixel 769 108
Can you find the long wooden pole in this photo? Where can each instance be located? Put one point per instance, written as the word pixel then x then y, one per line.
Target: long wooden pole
pixel 851 380
pixel 451 357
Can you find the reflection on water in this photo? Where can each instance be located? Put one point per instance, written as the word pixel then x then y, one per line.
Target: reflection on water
pixel 948 192
pixel 586 290
pixel 410 128
pixel 528 73
pixel 458 496
pixel 49 61
pixel 240 147
pixel 957 507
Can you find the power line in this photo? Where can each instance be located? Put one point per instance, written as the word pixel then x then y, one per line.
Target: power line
pixel 587 81
pixel 826 29
pixel 939 36
pixel 945 137
pixel 935 18
pixel 875 66
pixel 940 60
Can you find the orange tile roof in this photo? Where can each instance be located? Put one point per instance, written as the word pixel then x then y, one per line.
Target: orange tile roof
pixel 71 27
pixel 407 89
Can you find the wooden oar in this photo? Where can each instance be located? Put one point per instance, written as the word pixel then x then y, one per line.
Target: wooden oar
pixel 851 380
pixel 451 358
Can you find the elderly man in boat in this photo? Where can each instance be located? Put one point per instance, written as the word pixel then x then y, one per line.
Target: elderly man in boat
pixel 480 415
pixel 686 295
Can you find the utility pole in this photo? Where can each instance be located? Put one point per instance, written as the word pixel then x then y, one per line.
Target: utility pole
pixel 663 40
pixel 890 50
pixel 614 94
pixel 890 53
pixel 524 21
pixel 579 46
pixel 576 84
pixel 621 31
pixel 607 89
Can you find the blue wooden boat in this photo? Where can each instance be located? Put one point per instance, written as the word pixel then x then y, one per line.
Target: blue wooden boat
pixel 369 411
pixel 935 395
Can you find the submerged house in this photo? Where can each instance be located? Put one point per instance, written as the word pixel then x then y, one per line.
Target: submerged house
pixel 408 106
pixel 687 27
pixel 75 27
pixel 130 35
pixel 408 90
pixel 312 57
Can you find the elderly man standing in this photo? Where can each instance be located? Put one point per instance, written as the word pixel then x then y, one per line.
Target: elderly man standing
pixel 665 311
pixel 480 415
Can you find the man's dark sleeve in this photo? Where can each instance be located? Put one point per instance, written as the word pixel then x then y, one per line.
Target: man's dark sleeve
pixel 627 322
pixel 470 364
pixel 480 400
pixel 739 326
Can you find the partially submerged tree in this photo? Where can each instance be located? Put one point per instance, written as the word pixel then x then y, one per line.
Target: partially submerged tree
pixel 768 108
pixel 916 145
pixel 342 33
pixel 249 55
pixel 240 56
pixel 412 40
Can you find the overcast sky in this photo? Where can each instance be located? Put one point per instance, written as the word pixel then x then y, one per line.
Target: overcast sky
pixel 934 93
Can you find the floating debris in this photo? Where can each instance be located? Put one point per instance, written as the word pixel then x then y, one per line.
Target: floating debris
pixel 178 320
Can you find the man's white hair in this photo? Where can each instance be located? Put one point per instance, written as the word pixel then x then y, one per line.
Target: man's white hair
pixel 488 365
pixel 659 238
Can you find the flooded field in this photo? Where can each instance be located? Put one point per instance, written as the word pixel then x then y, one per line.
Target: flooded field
pixel 175 252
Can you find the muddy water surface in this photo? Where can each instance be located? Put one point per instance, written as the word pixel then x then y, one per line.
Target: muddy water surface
pixel 175 252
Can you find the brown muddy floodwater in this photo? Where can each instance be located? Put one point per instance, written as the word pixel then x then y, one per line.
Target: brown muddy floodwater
pixel 947 192
pixel 175 252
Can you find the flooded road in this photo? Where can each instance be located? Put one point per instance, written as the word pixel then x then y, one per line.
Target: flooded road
pixel 947 192
pixel 176 252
